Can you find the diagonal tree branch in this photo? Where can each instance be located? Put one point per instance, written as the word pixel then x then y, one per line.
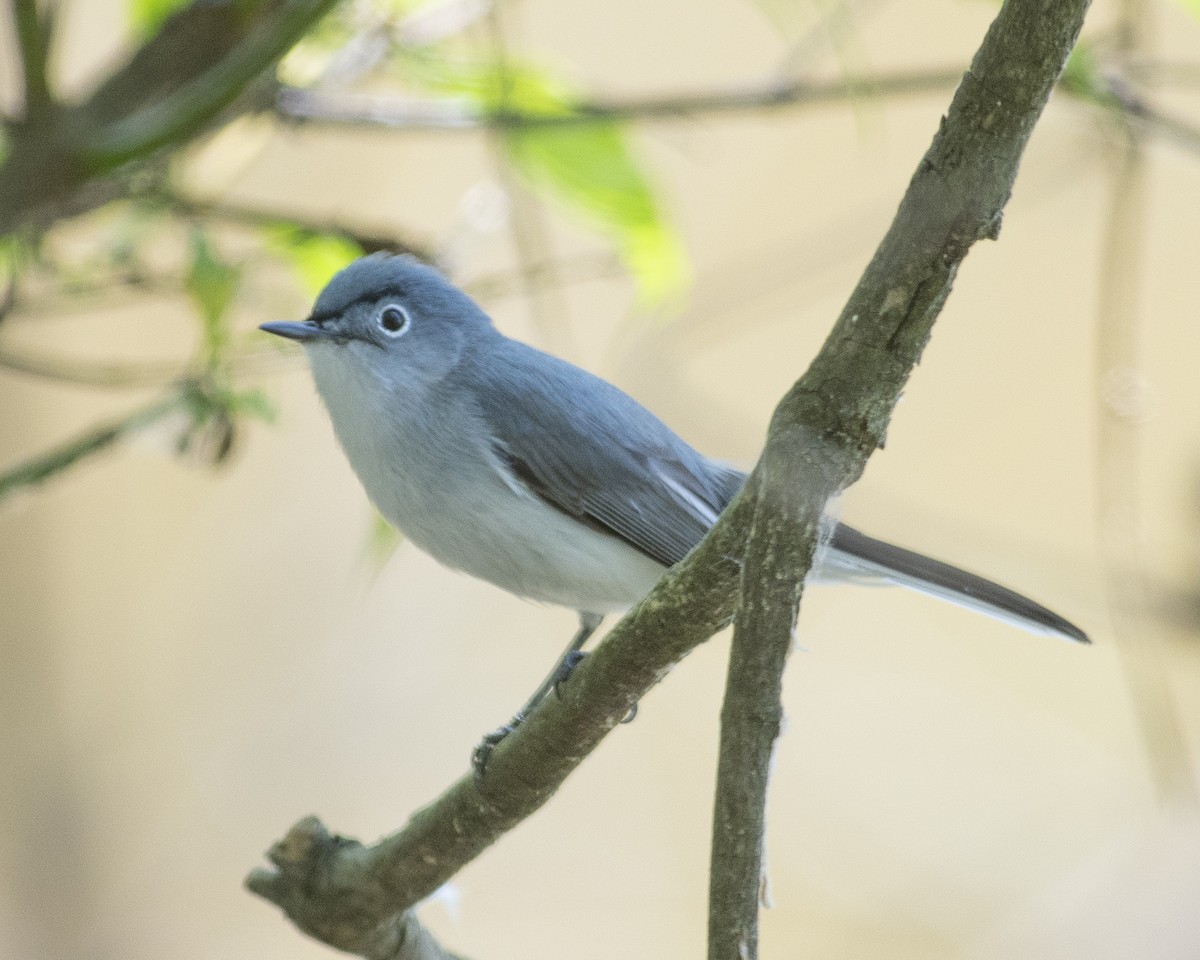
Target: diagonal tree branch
pixel 187 110
pixel 821 435
pixel 835 416
pixel 341 892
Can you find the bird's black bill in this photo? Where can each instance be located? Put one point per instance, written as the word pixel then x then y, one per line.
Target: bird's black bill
pixel 296 331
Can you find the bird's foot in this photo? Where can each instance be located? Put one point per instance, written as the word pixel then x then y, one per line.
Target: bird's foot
pixel 567 667
pixel 483 752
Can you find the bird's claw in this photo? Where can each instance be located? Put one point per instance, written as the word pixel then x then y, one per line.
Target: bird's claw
pixel 566 667
pixel 483 752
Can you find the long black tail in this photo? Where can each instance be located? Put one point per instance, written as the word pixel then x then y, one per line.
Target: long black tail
pixel 858 555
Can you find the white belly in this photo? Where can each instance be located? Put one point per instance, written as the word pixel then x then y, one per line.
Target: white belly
pixel 446 491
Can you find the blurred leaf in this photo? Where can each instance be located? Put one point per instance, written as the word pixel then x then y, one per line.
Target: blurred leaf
pixel 382 541
pixel 1082 75
pixel 212 284
pixel 214 411
pixel 1191 6
pixel 315 257
pixel 251 403
pixel 588 167
pixel 148 15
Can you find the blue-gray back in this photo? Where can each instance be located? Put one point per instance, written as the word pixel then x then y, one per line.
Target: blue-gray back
pixel 595 453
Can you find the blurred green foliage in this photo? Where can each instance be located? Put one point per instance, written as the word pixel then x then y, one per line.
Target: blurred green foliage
pixel 314 256
pixel 212 283
pixel 587 167
pixel 147 16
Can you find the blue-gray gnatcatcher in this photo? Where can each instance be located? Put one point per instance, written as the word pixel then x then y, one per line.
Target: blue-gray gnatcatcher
pixel 530 473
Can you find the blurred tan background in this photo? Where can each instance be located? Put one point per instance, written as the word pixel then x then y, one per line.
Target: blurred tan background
pixel 192 659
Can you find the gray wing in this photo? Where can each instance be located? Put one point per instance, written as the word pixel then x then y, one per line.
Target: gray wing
pixel 596 454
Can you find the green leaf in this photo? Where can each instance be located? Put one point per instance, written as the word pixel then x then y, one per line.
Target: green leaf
pixel 315 257
pixel 212 284
pixel 1081 74
pixel 1191 6
pixel 148 15
pixel 588 168
pixel 382 541
pixel 252 403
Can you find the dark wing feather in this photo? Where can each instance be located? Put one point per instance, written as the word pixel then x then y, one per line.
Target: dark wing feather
pixel 596 454
pixel 939 579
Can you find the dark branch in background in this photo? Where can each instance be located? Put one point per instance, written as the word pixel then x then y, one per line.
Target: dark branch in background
pixel 172 89
pixel 344 893
pixel 188 109
pixel 209 61
pixel 33 36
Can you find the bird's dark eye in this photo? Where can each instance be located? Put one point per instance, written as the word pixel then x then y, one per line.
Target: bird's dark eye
pixel 393 320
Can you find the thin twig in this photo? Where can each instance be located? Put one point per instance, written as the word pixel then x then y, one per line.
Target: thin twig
pixel 1121 398
pixel 55 461
pixel 244 215
pixel 383 110
pixel 398 112
pixel 62 369
pixel 561 271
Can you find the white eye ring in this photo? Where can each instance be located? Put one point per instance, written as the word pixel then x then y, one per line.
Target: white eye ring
pixel 394 320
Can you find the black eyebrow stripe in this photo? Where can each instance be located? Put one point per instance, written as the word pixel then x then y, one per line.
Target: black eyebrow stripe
pixel 369 297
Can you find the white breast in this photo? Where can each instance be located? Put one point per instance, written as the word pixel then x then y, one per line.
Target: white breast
pixel 433 475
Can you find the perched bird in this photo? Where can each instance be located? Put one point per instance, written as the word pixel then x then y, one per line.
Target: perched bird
pixel 528 472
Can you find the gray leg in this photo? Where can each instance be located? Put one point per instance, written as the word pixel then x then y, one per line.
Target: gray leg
pixel 588 623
